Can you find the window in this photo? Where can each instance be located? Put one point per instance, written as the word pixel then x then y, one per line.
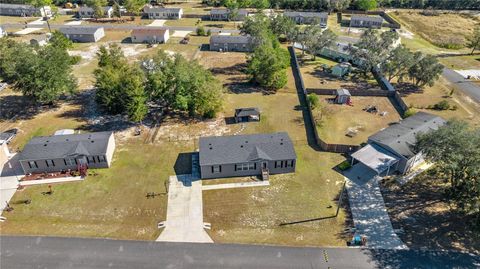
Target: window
pixel 91 159
pixel 278 164
pixel 101 159
pixel 70 162
pixel 289 163
pixel 245 166
pixel 49 163
pixel 32 164
pixel 216 169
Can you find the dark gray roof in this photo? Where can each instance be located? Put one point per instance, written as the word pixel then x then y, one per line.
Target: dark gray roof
pixel 17 6
pixel 62 146
pixel 79 30
pixel 234 39
pixel 217 150
pixel 243 112
pixel 305 14
pixel 401 137
pixel 367 18
pixel 86 8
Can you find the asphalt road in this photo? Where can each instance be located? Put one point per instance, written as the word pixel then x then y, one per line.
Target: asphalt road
pixel 54 252
pixel 469 88
pixel 119 27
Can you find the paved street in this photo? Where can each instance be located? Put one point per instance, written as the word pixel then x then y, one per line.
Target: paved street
pixel 184 211
pixel 65 253
pixel 469 88
pixel 368 209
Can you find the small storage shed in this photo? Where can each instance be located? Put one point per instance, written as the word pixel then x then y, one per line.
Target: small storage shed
pixel 343 96
pixel 247 114
pixel 341 69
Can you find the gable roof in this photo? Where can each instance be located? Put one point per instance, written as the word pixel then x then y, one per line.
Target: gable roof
pixel 79 30
pixel 401 137
pixel 63 146
pixel 18 6
pixel 367 18
pixel 242 112
pixel 243 39
pixel 217 150
pixel 343 92
pixel 305 14
pixel 163 9
pixel 225 11
pixel 87 8
pixel 149 31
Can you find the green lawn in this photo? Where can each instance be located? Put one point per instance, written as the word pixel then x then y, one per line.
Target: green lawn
pixel 198 22
pixel 462 62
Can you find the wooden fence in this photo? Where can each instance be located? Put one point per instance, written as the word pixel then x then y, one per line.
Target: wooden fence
pixel 338 148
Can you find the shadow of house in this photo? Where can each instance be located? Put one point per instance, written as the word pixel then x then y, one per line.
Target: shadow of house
pixel 183 163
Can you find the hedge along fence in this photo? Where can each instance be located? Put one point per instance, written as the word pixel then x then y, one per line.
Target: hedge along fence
pixel 337 148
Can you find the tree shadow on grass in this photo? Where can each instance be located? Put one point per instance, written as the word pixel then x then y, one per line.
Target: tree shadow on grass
pixel 20 107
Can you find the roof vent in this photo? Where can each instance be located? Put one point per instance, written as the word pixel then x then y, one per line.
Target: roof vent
pixel 211 148
pixel 241 146
pixel 281 143
pixel 66 139
pixel 44 145
pixel 93 141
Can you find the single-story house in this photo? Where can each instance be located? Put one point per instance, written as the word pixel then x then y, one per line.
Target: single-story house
pixel 2 32
pixel 174 13
pixel 83 33
pixel 63 152
pixel 391 149
pixel 150 35
pixel 241 43
pixel 247 114
pixel 307 17
pixel 25 10
pixel 343 96
pixel 88 12
pixel 341 69
pixel 366 21
pixel 223 14
pixel 246 155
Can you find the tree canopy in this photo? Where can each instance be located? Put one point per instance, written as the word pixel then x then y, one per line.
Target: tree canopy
pixel 366 4
pixel 135 6
pixel 455 150
pixel 426 71
pixel 473 41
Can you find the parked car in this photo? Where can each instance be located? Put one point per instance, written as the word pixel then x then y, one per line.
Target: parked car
pixel 8 135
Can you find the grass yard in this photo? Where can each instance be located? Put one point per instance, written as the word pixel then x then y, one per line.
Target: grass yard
pixel 191 7
pixel 443 30
pixel 17 19
pixel 467 109
pixel 427 218
pixel 198 22
pixel 461 62
pixel 253 215
pixel 111 204
pixel 334 120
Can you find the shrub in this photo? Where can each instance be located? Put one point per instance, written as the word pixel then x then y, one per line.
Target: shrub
pixel 442 105
pixel 454 107
pixel 209 32
pixel 344 165
pixel 201 31
pixel 312 100
pixel 75 59
pixel 409 112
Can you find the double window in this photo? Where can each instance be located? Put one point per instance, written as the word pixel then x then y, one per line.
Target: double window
pixel 91 159
pixel 32 164
pixel 216 169
pixel 101 159
pixel 245 166
pixel 70 162
pixel 282 164
pixel 50 163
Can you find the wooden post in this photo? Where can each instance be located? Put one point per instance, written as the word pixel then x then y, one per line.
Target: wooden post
pixel 341 198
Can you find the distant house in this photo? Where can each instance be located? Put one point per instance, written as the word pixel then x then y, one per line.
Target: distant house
pixel 366 21
pixel 246 155
pixel 150 35
pixel 83 33
pixel 391 149
pixel 341 69
pixel 2 32
pixel 25 10
pixel 41 40
pixel 88 12
pixel 223 14
pixel 247 114
pixel 62 152
pixel 307 17
pixel 171 13
pixel 242 43
pixel 343 96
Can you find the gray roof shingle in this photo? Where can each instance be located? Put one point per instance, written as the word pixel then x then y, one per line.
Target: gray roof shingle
pixel 367 18
pixel 218 150
pixel 62 146
pixel 305 14
pixel 401 137
pixel 79 30
pixel 248 111
pixel 234 39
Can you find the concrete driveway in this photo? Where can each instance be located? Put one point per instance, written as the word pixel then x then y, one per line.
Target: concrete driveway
pixel 185 211
pixel 368 209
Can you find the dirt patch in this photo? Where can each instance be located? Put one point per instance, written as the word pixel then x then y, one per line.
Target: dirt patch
pixel 425 219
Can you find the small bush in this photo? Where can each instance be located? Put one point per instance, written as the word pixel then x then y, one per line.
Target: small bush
pixel 313 100
pixel 409 112
pixel 201 31
pixel 442 105
pixel 209 32
pixel 75 59
pixel 344 165
pixel 454 107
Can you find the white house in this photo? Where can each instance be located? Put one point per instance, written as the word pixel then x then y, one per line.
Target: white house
pixel 88 12
pixel 171 13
